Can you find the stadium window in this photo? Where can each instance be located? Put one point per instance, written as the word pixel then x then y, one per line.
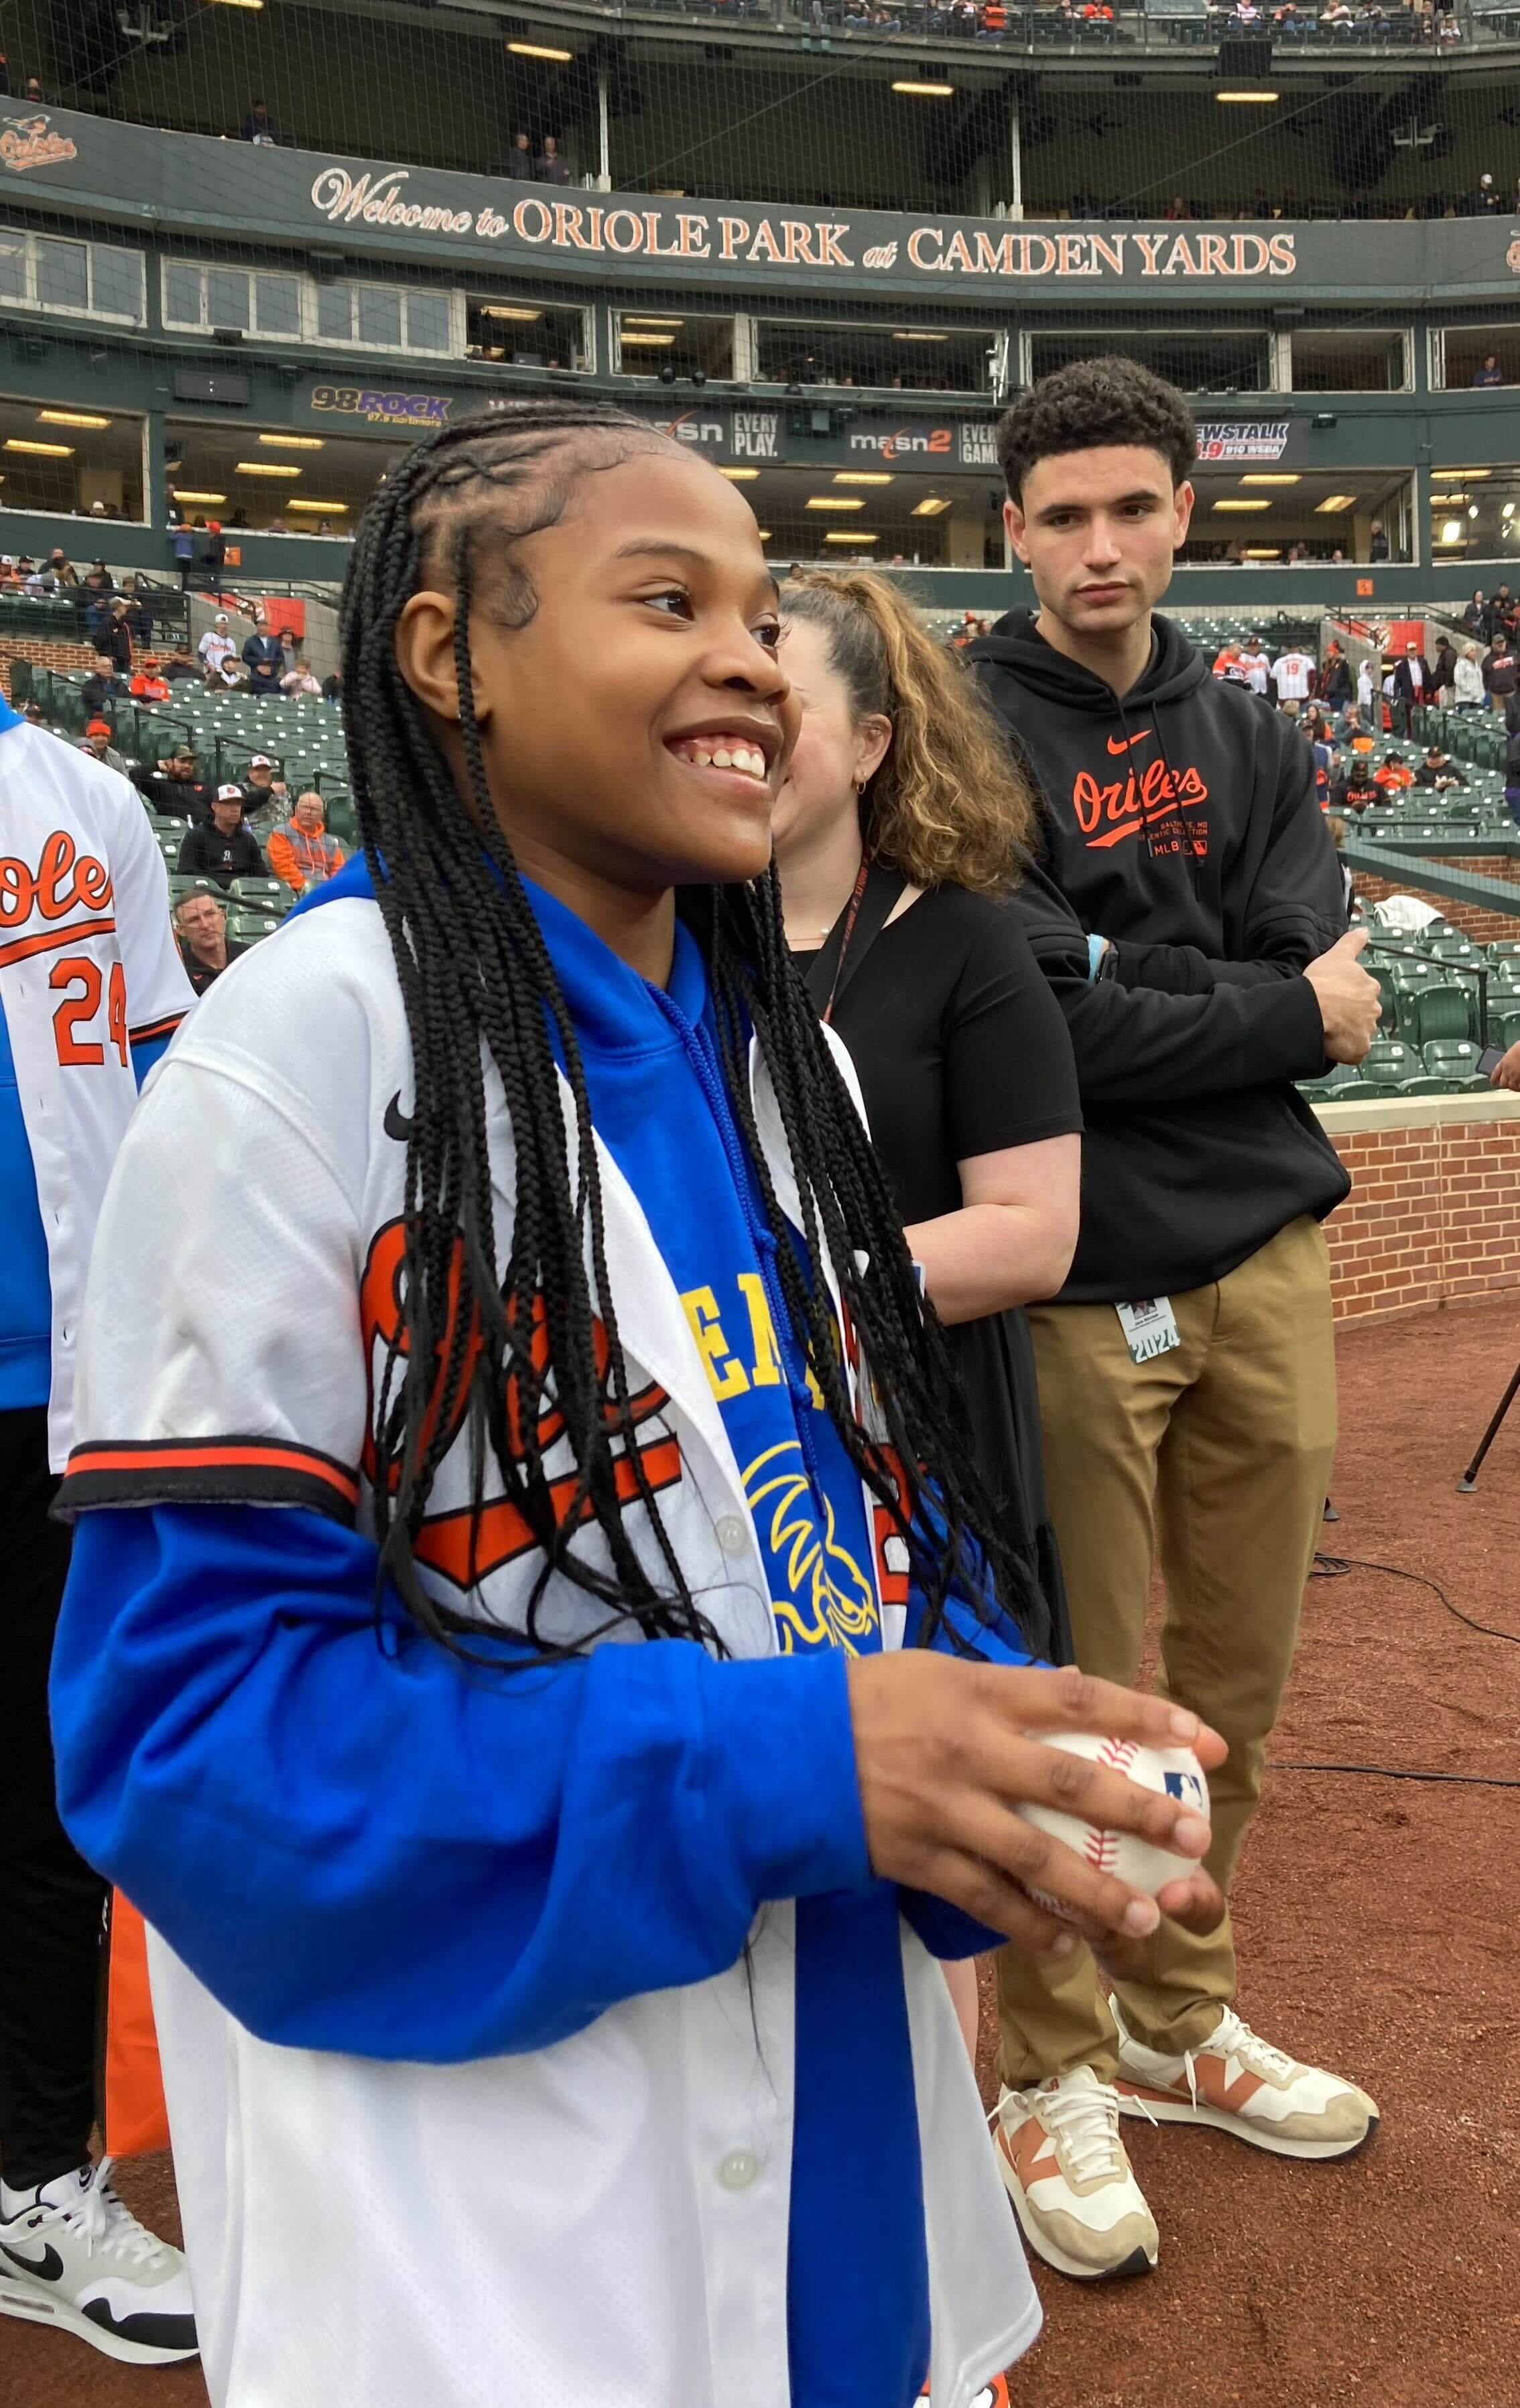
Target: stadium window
pixel 650 339
pixel 95 279
pixel 298 308
pixel 1368 360
pixel 1463 353
pixel 1474 514
pixel 308 478
pixel 907 359
pixel 527 334
pixel 62 457
pixel 1220 363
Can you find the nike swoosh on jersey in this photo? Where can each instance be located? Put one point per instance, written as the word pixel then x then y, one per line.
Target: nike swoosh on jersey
pixel 1126 741
pixel 395 1123
pixel 49 2268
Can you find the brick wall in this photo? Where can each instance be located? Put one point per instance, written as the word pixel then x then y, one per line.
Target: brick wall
pixel 44 654
pixel 1434 1213
pixel 1475 920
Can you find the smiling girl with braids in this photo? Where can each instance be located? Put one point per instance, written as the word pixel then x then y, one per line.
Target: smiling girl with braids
pixel 482 1656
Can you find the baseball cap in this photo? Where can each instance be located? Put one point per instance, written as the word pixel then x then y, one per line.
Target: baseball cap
pixel 98 727
pixel 149 660
pixel 222 618
pixel 261 760
pixel 180 752
pixel 229 793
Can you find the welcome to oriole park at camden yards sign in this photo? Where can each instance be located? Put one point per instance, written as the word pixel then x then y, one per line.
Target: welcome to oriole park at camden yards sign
pixel 163 186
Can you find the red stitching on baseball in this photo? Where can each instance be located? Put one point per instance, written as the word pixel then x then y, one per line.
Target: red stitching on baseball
pixel 1119 1753
pixel 1100 1847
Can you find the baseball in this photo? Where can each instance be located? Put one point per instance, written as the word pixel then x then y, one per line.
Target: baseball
pixel 1172 1771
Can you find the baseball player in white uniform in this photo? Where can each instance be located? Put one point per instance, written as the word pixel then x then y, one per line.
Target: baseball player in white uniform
pixel 91 990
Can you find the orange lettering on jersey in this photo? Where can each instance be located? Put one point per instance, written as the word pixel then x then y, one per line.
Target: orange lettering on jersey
pixel 63 877
pixel 466 1547
pixel 1107 810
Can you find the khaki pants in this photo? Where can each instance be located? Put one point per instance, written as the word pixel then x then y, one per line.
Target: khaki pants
pixel 1221 1450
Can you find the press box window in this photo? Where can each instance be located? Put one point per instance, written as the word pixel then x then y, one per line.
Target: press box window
pixel 648 340
pixel 383 317
pixel 95 279
pixel 526 334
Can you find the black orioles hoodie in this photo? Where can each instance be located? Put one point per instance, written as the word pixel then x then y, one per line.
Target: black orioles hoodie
pixel 1180 823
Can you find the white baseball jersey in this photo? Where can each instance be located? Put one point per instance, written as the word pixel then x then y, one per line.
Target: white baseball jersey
pixel 1254 669
pixel 215 648
pixel 1294 674
pixel 555 2180
pixel 88 966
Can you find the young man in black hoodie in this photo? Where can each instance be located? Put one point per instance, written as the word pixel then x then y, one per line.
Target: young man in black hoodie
pixel 1189 914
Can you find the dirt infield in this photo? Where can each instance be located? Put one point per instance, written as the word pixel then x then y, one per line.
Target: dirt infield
pixel 1377 1929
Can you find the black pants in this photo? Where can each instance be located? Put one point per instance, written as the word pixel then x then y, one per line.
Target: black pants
pixel 51 1905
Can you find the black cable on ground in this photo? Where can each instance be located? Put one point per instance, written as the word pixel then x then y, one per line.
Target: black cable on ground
pixel 1332 1568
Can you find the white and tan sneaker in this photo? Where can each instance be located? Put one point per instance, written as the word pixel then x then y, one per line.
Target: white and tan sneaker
pixel 1065 2169
pixel 1239 2083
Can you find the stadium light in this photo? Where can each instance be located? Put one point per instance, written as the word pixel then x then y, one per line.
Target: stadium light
pixel 850 535
pixel 1262 479
pixel 1333 504
pixel 924 91
pixel 181 494
pixel 69 418
pixel 930 507
pixel 919 335
pixel 649 342
pixel 1250 99
pixel 1239 506
pixel 294 442
pixel 502 310
pixel 833 502
pixel 531 51
pixel 304 502
pixel 1451 531
pixel 740 476
pixel 47 450
pixel 634 322
pixel 863 477
pixel 264 469
pixel 1508 512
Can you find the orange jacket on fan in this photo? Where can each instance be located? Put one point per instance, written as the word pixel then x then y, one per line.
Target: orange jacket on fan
pixel 1393 776
pixel 299 855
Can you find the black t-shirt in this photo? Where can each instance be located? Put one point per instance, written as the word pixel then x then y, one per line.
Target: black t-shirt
pixel 173 798
pixel 201 974
pixel 960 1046
pixel 962 1049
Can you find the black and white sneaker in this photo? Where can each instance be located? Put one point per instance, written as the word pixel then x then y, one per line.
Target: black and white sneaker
pixel 71 2254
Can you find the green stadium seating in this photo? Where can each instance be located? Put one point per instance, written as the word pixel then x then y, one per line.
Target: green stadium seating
pixel 1337 1086
pixel 1454 1062
pixel 270 897
pixel 1397 1070
pixel 247 927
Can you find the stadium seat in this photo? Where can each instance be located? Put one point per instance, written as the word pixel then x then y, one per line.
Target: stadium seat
pixel 247 927
pixel 267 896
pixel 1397 1070
pixel 1345 1080
pixel 1454 1062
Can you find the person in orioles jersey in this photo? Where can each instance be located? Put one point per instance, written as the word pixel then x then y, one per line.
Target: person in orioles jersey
pixel 91 990
pixel 1189 913
pixel 484 1655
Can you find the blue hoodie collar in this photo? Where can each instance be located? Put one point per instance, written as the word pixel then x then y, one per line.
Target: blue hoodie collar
pixel 8 718
pixel 614 1009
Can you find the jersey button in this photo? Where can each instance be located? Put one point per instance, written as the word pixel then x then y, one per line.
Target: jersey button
pixel 738 2167
pixel 733 1534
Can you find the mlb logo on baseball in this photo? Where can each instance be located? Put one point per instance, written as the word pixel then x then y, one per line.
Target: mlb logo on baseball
pixel 1190 1787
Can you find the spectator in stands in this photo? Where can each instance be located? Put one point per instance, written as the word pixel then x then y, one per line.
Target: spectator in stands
pixel 1484 201
pixel 1356 790
pixel 549 168
pixel 97 739
pixel 1255 666
pixel 1297 552
pixel 1351 725
pixel 148 685
pixel 1293 674
pixel 36 96
pixel 1500 671
pixel 1288 20
pixel 1438 771
pixel 216 645
pixel 520 160
pixel 332 687
pixel 1176 208
pixel 1466 681
pixel 62 569
pixel 1226 662
pixel 95 595
pixel 1475 617
pixel 258 126
pixel 102 687
pixel 170 786
pixel 1502 613
pixel 1377 542
pixel 1490 372
pixel 261 781
pixel 1335 677
pixel 117 640
pixel 1365 689
pixel 1395 776
pixel 300 850
pixel 300 678
pixel 139 615
pixel 1412 682
pixel 1245 17
pixel 277 525
pixel 1444 672
pixel 200 923
pixel 181 662
pixel 221 847
pixel 231 678
pixel 264 658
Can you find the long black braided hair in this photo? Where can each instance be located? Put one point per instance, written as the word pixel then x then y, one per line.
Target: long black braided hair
pixel 527 1353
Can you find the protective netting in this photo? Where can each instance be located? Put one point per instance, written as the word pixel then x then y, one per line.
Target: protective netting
pixel 251 248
